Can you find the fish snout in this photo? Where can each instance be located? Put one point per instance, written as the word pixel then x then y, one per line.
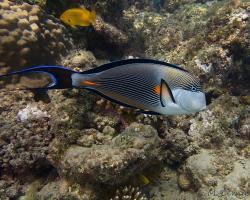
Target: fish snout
pixel 197 102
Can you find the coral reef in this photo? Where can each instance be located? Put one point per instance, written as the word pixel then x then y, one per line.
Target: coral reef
pixel 111 163
pixel 216 177
pixel 30 37
pixel 110 34
pixel 205 38
pixel 129 193
pixel 25 133
pixel 62 189
pixel 9 188
pixel 80 60
pixel 71 144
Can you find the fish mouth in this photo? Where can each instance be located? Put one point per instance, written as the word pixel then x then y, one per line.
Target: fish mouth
pixel 208 97
pixel 198 103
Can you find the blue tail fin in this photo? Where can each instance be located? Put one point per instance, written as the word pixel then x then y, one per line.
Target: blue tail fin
pixel 60 76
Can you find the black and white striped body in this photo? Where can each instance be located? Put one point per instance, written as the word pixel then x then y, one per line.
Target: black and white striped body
pixel 136 85
pixel 131 86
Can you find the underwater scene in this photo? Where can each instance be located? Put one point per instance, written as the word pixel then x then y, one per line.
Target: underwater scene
pixel 124 100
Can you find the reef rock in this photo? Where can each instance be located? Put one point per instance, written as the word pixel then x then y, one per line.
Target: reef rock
pixel 112 35
pixel 61 189
pixel 197 36
pixel 129 192
pixel 80 60
pixel 25 133
pixel 127 154
pixel 216 177
pixel 29 36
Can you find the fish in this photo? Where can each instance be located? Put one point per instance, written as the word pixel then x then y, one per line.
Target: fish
pixel 151 86
pixel 78 17
pixel 144 179
pixel 157 4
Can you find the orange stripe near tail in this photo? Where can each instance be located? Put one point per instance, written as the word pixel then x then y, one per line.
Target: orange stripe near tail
pixel 88 83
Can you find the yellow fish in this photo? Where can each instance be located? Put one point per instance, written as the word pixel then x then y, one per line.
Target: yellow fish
pixel 78 17
pixel 144 179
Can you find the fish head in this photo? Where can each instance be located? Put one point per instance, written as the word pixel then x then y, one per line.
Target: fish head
pixel 63 18
pixel 190 101
pixel 186 90
pixel 67 17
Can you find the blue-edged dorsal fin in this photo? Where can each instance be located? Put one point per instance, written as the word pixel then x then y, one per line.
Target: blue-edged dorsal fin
pixel 129 61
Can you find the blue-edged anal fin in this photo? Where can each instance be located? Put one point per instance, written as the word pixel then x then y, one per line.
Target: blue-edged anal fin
pixel 166 95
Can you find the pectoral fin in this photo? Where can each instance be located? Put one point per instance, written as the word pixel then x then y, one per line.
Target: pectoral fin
pixel 166 95
pixel 73 26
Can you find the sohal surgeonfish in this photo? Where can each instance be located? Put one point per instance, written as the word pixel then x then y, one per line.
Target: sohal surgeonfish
pixel 78 17
pixel 152 86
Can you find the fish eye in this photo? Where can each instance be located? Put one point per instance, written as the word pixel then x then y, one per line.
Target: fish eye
pixel 69 20
pixel 193 89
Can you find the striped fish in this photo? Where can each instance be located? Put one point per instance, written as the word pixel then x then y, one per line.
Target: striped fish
pixel 152 86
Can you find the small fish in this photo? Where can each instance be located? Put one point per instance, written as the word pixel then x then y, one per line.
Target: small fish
pixel 157 4
pixel 78 17
pixel 154 87
pixel 144 179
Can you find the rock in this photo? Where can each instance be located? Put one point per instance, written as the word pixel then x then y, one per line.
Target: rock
pixel 25 141
pixel 58 190
pixel 200 163
pixel 9 188
pixel 167 186
pixel 31 112
pixel 184 182
pixel 177 146
pixel 108 130
pixel 112 35
pixel 206 172
pixel 80 59
pixel 111 164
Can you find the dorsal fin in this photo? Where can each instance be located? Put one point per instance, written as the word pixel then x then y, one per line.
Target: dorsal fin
pixel 129 61
pixel 165 94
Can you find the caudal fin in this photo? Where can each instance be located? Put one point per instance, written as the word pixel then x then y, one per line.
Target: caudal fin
pixel 59 77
